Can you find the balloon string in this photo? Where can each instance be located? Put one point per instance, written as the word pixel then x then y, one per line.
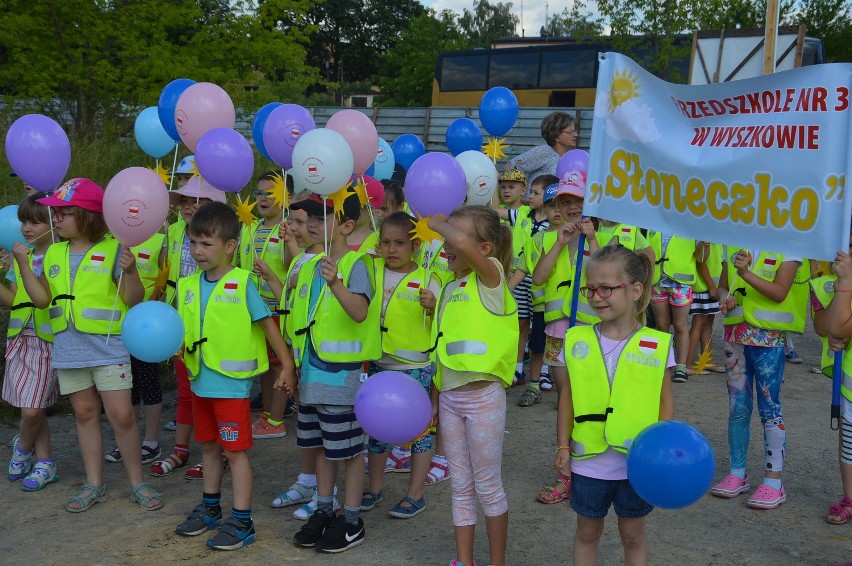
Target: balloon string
pixel 5 256
pixel 285 196
pixel 427 275
pixel 174 164
pixel 114 305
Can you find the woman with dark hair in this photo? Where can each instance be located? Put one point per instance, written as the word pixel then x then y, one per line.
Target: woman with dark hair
pixel 560 133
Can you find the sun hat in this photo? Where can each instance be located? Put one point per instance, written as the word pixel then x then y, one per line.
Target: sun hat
pixel 198 188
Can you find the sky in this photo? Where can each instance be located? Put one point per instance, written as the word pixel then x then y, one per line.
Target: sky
pixel 533 11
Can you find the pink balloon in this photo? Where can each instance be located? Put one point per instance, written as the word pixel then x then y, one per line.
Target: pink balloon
pixel 360 133
pixel 136 203
pixel 201 108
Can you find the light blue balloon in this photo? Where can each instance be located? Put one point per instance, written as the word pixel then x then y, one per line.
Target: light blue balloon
pixel 10 227
pixel 152 331
pixel 384 163
pixel 150 134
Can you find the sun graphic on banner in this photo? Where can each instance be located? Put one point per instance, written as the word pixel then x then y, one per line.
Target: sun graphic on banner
pixel 624 86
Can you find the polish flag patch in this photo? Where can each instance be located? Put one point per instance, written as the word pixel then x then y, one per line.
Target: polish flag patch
pixel 462 285
pixel 770 261
pixel 295 133
pixel 413 285
pixel 133 210
pixel 586 252
pixel 98 259
pixel 443 255
pixel 231 286
pixel 274 239
pixel 648 345
pixel 625 230
pixel 312 168
pixel 144 255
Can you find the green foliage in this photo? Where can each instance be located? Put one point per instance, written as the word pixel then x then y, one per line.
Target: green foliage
pixel 829 20
pixel 577 22
pixel 408 68
pixel 487 22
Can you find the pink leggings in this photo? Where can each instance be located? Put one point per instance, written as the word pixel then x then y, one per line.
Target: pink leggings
pixel 472 428
pixel 183 413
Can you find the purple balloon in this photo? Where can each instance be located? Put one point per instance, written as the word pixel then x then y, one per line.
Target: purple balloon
pixel 574 160
pixel 224 159
pixel 393 407
pixel 435 184
pixel 284 127
pixel 38 151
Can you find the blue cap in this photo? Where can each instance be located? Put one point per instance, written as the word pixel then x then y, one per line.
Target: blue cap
pixel 550 192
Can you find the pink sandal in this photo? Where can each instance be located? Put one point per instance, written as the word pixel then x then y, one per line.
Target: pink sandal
pixel 842 511
pixel 437 473
pixel 550 495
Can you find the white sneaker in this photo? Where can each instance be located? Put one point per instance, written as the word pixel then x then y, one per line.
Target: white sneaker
pixel 306 510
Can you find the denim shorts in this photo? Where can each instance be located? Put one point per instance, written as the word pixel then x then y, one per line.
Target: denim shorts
pixel 591 498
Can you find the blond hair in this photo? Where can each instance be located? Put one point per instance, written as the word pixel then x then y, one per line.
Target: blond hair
pixel 633 268
pixel 488 228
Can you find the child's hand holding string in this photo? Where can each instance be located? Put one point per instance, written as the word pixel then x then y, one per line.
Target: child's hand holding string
pixel 127 261
pixel 261 269
pixel 329 270
pixel 21 253
pixel 427 300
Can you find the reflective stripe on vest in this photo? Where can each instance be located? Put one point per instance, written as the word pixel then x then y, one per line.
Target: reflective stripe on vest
pixel 100 314
pixel 467 347
pixel 762 312
pixel 23 311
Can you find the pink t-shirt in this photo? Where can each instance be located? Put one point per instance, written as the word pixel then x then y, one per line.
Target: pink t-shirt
pixel 611 465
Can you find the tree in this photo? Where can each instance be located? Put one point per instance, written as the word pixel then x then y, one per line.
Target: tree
pixel 409 67
pixel 488 22
pixel 577 22
pixel 93 63
pixel 829 20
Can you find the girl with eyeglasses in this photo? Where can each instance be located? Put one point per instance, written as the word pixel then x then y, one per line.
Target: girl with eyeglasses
pixel 617 384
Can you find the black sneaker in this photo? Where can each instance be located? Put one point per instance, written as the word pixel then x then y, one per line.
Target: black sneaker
pixel 234 534
pixel 256 402
pixel 199 521
pixel 341 536
pixel 290 409
pixel 679 376
pixel 313 530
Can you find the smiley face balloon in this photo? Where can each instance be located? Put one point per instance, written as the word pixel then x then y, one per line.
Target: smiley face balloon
pixel 322 161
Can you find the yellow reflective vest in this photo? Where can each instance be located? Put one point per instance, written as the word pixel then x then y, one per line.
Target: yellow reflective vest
pixel 625 233
pixel 334 335
pixel 714 263
pixel 468 337
pixel 437 261
pixel 823 288
pixel 23 310
pixel 585 313
pixel 223 337
pixel 290 296
pixel 406 334
pixel 89 300
pixel 521 231
pixel 272 253
pixel 760 311
pixel 558 285
pixel 607 417
pixel 174 241
pixel 148 261
pixel 677 261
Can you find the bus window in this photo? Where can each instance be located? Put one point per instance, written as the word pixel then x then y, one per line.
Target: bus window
pixel 513 70
pixel 464 72
pixel 574 68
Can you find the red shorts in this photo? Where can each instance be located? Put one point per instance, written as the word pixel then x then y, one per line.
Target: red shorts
pixel 226 421
pixel 273 358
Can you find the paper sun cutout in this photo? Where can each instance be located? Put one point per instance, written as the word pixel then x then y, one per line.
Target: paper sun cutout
pixel 244 211
pixel 422 231
pixel 495 148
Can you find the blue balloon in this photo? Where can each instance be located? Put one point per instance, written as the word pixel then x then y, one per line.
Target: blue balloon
pixel 168 102
pixel 671 464
pixel 385 162
pixel 10 227
pixel 498 110
pixel 150 134
pixel 152 331
pixel 407 148
pixel 463 135
pixel 259 123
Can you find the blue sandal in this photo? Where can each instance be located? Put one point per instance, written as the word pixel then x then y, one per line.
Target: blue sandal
pixel 414 508
pixel 146 496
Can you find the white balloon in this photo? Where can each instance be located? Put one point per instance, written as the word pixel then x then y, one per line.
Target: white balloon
pixel 480 174
pixel 322 161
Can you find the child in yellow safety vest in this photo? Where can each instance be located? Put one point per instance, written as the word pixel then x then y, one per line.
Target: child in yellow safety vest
pixel 618 372
pixel 554 273
pixel 543 189
pixel 263 250
pixel 705 302
pixel 475 339
pixel 406 338
pixel 674 275
pixel 836 323
pixel 335 325
pixel 227 327
pixel 89 282
pixel 180 263
pixel 29 381
pixel 761 301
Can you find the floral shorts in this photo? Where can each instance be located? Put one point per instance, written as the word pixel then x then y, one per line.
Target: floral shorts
pixel 553 351
pixel 677 296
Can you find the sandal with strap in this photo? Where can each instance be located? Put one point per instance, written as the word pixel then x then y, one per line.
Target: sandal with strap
pixel 530 397
pixel 87 496
pixel 551 494
pixel 840 513
pixel 370 499
pixel 295 494
pixel 437 473
pixel 150 500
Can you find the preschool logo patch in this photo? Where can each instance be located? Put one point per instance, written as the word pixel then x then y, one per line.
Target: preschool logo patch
pixel 580 350
pixel 53 271
pixel 231 286
pixel 188 297
pixel 303 291
pixel 648 345
pixel 828 287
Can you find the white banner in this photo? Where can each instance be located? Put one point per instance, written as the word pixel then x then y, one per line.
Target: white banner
pixel 762 162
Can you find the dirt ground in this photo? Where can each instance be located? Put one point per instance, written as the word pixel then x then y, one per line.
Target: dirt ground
pixel 711 532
